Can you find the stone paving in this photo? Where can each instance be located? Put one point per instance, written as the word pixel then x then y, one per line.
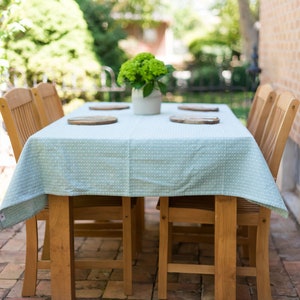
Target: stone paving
pixel 107 284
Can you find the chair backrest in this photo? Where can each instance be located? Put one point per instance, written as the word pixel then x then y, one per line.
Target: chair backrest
pixel 277 130
pixel 20 117
pixel 48 103
pixel 261 107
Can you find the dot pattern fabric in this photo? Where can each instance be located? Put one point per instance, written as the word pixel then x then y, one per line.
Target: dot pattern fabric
pixel 139 156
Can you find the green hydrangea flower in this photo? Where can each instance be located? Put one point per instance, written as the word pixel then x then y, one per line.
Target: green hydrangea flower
pixel 144 72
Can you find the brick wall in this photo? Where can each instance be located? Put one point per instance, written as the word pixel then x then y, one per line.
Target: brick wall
pixel 279 48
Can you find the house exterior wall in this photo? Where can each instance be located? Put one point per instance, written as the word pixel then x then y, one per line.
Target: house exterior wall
pixel 279 48
pixel 279 59
pixel 147 40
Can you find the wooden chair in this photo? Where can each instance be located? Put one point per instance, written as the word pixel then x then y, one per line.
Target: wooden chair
pixel 261 107
pixel 263 102
pixel 50 109
pixel 200 209
pixel 48 103
pixel 21 119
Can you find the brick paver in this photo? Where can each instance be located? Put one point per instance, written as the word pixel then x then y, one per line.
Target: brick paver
pixel 107 284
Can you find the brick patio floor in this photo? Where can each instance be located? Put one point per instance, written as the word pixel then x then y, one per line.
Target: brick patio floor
pixel 107 284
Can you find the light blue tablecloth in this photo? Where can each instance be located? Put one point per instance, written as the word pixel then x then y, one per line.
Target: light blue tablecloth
pixel 139 156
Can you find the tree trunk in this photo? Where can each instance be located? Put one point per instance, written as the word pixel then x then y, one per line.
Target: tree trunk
pixel 248 31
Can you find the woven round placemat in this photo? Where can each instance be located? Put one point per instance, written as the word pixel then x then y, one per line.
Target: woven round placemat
pixel 92 120
pixel 108 106
pixel 197 107
pixel 194 120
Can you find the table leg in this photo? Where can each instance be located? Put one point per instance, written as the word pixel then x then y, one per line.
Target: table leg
pixel 61 248
pixel 225 247
pixel 127 245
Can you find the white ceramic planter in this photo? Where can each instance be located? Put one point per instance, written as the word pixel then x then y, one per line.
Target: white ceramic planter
pixel 146 106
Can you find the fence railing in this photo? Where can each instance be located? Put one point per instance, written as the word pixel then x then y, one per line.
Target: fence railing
pixel 73 83
pixel 181 81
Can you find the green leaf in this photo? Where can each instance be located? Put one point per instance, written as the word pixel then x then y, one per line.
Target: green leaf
pixel 162 87
pixel 170 68
pixel 148 88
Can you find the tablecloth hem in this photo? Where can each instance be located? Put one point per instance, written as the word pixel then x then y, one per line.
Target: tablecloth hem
pixel 17 213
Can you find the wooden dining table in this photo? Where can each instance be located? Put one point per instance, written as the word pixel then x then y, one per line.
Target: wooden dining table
pixel 140 156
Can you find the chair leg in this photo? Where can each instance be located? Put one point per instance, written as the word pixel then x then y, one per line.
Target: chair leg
pixel 46 245
pixel 170 241
pixel 163 248
pixel 31 260
pixel 127 245
pixel 252 233
pixel 262 260
pixel 140 222
pixel 134 233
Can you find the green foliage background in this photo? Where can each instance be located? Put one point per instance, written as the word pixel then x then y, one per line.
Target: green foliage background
pixel 57 43
pixel 67 41
pixel 106 32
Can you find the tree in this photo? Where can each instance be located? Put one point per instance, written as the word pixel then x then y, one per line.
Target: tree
pixel 58 42
pixel 186 25
pixel 10 24
pixel 217 46
pixel 145 10
pixel 237 19
pixel 247 19
pixel 106 32
pixel 228 31
pixel 233 36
